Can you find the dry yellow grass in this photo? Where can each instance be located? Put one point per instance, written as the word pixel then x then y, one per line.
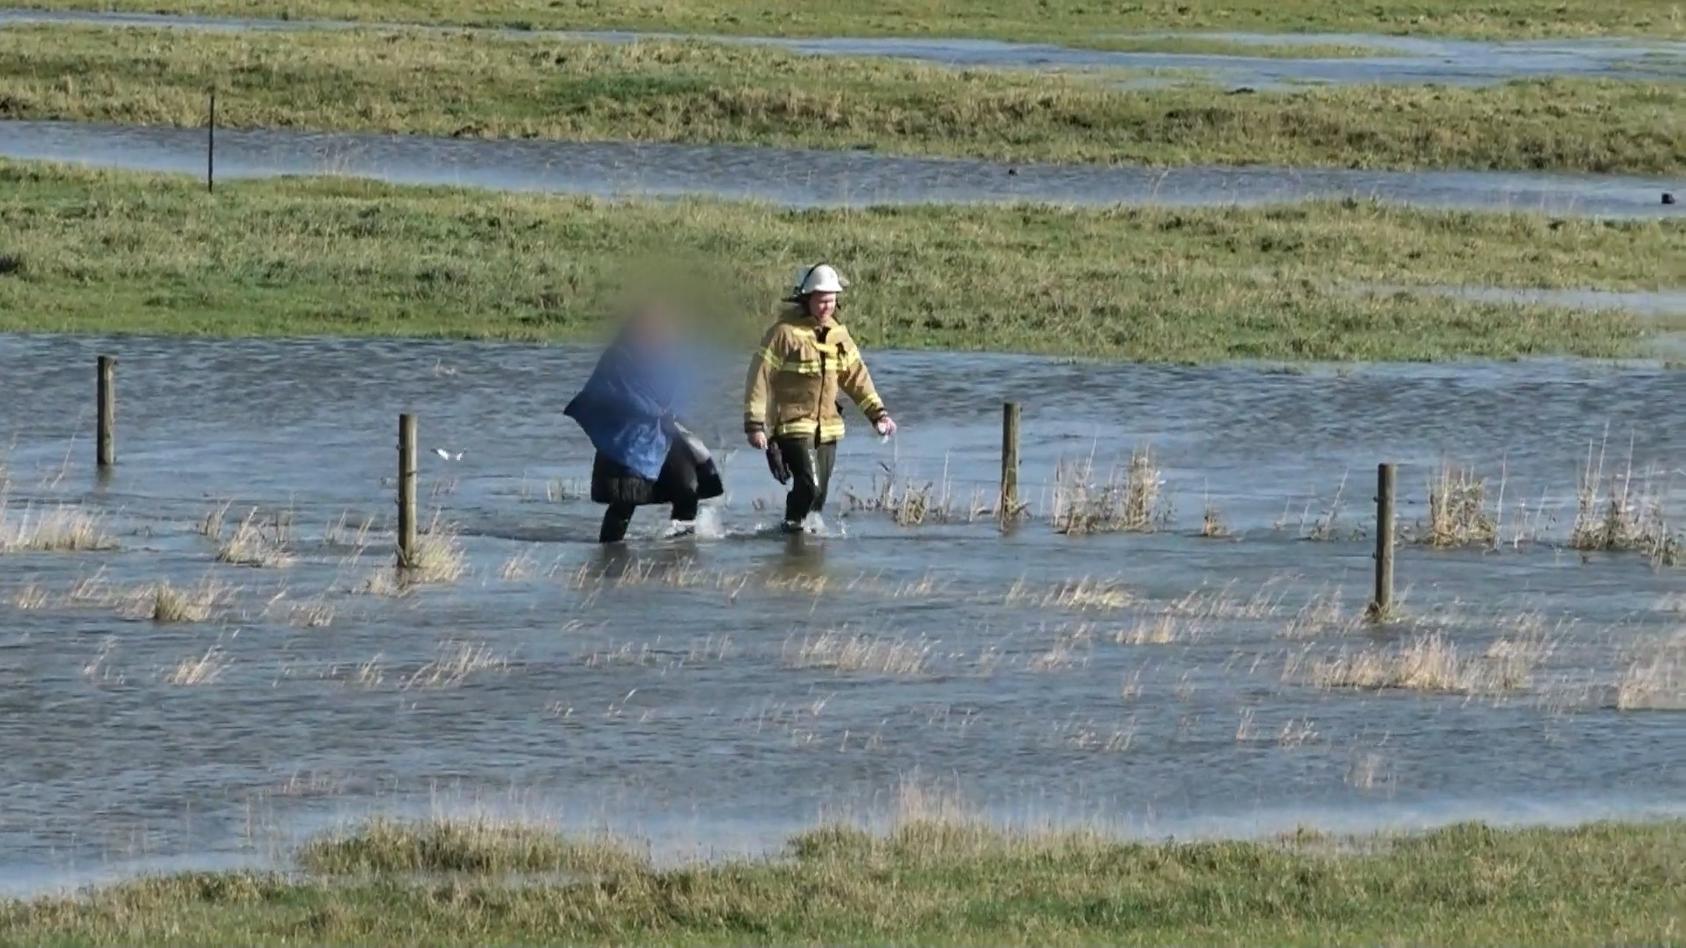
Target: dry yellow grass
pixel 31 596
pixel 165 602
pixel 1655 681
pixel 1159 630
pixel 251 544
pixel 1457 510
pixel 454 662
pixel 1428 662
pixel 843 651
pixel 1129 499
pixel 60 529
pixel 439 556
pixel 203 670
pixel 1080 595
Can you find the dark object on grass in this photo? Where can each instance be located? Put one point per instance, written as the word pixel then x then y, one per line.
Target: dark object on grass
pixel 1668 197
pixel 10 263
pixel 1242 90
pixel 775 463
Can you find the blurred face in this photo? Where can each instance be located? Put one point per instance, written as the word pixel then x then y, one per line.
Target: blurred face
pixel 822 306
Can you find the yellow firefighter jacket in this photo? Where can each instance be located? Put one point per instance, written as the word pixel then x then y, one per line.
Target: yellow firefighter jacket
pixel 795 377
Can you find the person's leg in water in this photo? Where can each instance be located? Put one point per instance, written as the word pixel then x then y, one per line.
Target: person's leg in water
pixel 810 478
pixel 615 521
pixel 678 485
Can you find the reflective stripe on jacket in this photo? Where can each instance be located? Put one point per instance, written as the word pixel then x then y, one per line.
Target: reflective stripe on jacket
pixel 795 378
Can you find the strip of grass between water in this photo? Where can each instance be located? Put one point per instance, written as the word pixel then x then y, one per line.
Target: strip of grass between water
pixel 925 881
pixel 92 251
pixel 480 87
pixel 1095 23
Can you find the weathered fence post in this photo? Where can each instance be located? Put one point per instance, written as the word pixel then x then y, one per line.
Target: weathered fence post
pixel 1382 605
pixel 211 147
pixel 1008 506
pixel 106 439
pixel 406 490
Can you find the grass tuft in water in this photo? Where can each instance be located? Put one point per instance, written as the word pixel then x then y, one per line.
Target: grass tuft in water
pixel 439 556
pixel 165 602
pixel 203 670
pixel 60 529
pixel 251 544
pixel 844 651
pixel 1457 511
pixel 30 596
pixel 1428 662
pixel 1130 499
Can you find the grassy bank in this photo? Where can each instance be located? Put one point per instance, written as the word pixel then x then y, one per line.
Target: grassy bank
pixel 944 882
pixel 1084 23
pixel 709 93
pixel 118 252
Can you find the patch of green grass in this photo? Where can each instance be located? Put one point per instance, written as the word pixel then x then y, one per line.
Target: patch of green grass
pixel 123 252
pixel 412 82
pixel 479 846
pixel 1077 23
pixel 954 882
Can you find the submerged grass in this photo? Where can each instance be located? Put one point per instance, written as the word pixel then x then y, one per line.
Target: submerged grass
pixel 115 252
pixel 661 90
pixel 1090 24
pixel 949 880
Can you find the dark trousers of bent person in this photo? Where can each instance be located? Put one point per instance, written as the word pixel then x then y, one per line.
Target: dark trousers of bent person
pixel 810 465
pixel 625 491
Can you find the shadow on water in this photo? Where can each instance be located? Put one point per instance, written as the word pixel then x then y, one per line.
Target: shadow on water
pixel 800 177
pixel 718 693
pixel 1406 59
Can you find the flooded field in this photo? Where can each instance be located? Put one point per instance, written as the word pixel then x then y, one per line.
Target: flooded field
pixel 713 694
pixel 1398 60
pixel 802 177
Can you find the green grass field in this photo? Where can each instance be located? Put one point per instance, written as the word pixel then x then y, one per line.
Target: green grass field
pixel 940 882
pixel 1090 23
pixel 90 251
pixel 696 92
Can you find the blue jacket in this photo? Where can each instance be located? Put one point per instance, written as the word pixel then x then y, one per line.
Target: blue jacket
pixel 627 406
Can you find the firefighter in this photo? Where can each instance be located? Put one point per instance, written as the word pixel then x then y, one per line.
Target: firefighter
pixel 806 360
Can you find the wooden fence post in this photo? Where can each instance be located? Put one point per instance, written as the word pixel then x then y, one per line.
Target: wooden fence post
pixel 406 490
pixel 211 147
pixel 106 388
pixel 1382 605
pixel 1008 506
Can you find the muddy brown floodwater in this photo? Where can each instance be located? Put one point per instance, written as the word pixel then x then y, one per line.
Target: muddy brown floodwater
pixel 713 694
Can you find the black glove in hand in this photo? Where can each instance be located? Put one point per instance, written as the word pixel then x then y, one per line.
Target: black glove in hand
pixel 775 463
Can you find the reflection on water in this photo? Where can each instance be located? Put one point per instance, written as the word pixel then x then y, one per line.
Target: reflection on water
pixel 720 693
pixel 1405 59
pixel 799 177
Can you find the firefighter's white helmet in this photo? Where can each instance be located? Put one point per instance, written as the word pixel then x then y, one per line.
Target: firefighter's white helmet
pixel 819 278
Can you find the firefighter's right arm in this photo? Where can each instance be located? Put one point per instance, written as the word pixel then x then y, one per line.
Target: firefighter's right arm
pixel 758 388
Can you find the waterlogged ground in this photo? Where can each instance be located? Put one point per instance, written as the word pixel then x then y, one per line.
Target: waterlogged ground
pixel 801 177
pixel 1390 59
pixel 714 694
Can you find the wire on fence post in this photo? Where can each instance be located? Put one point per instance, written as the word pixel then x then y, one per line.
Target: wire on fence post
pixel 1008 506
pixel 406 490
pixel 1381 606
pixel 106 389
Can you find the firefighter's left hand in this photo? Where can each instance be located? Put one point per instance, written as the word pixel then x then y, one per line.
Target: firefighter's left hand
pixel 886 426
